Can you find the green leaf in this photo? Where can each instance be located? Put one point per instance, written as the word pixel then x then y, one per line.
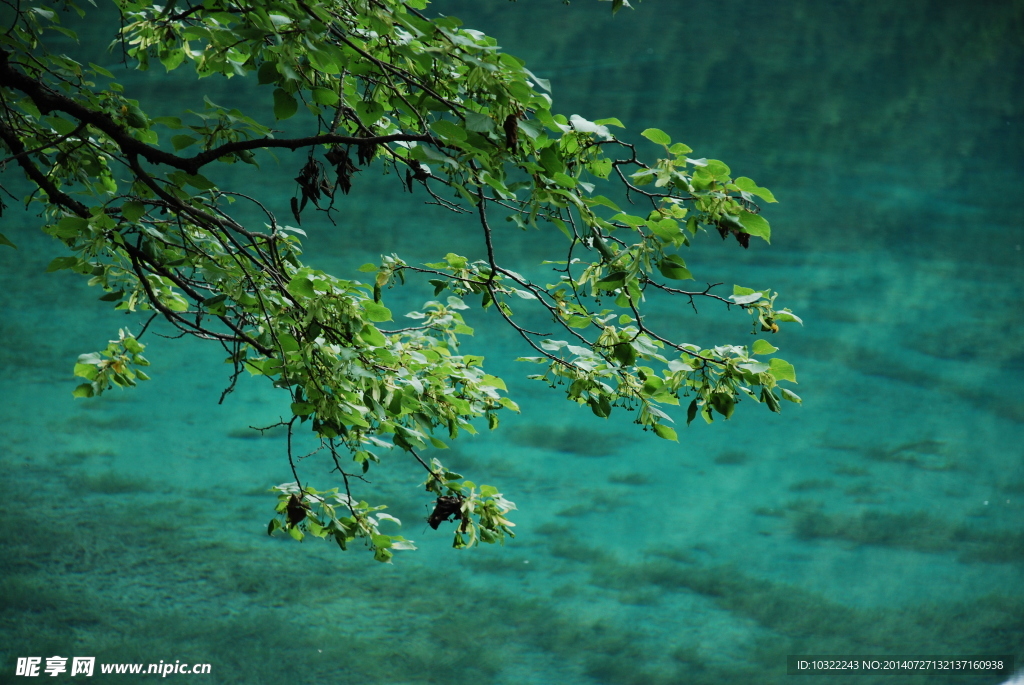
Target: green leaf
pixel 656 136
pixel 449 130
pixel 746 184
pixel 84 390
pixel 783 370
pixel 791 396
pixel 509 404
pixel 216 305
pixel 762 346
pixel 724 403
pixel 285 105
pixel 62 263
pixel 769 398
pixel 493 381
pixel 376 312
pixel 673 266
pixel 199 181
pixel 322 96
pixel 113 296
pixel 602 168
pixel 666 229
pixel 564 180
pixel 551 161
pixel 174 302
pixel 665 432
pixel 480 123
pixel 629 220
pixel 61 125
pixel 601 406
pixel 624 354
pixel 756 225
pixel 288 342
pixel 786 315
pixel 619 4
pixel 746 299
pixel 172 59
pixel 301 286
pixel 132 211
pixel 87 371
pixel 70 227
pixel 612 281
pixel 5 241
pixel 100 70
pixel 303 408
pixel 717 169
pixel 181 142
pixel 373 337
pixel 267 73
pixel 368 111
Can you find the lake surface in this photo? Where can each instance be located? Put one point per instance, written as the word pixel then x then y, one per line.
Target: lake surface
pixel 884 516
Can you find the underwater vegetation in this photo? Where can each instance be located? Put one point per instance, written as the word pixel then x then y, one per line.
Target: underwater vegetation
pixel 792 620
pixel 871 362
pixel 110 483
pixel 928 455
pixel 861 492
pixel 847 470
pixel 131 588
pixel 811 484
pixel 568 439
pixel 630 479
pixel 923 454
pixel 592 501
pixel 732 457
pixel 916 531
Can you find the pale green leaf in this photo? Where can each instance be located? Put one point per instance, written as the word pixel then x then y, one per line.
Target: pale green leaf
pixel 746 184
pixel 656 136
pixel 376 312
pixel 783 370
pixel 665 432
pixel 756 225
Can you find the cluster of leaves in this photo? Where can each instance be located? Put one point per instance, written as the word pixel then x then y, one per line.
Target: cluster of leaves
pixel 303 511
pixel 111 367
pixel 474 131
pixel 481 514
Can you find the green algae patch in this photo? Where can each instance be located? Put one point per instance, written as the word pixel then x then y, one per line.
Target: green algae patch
pixel 917 531
pixel 568 439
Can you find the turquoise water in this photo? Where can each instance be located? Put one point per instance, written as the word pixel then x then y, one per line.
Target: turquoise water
pixel 884 516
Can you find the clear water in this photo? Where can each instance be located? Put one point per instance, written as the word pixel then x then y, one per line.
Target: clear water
pixel 884 516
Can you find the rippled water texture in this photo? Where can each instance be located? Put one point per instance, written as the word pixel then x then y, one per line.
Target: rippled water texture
pixel 884 516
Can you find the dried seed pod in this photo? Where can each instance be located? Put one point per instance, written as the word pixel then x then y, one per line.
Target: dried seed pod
pixel 296 510
pixel 511 127
pixel 446 508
